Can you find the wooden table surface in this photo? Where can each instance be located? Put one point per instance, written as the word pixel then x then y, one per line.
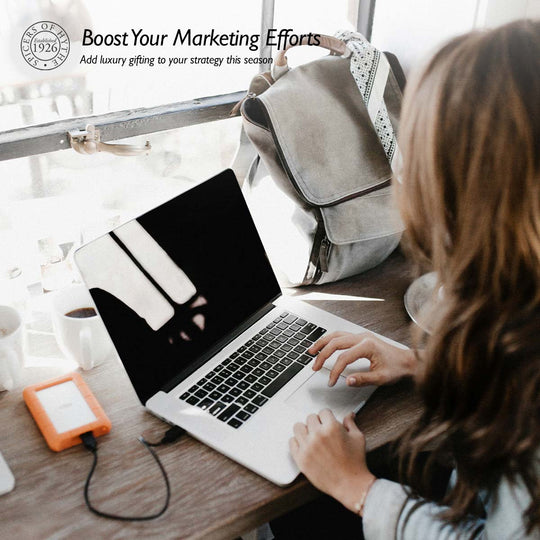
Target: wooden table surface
pixel 212 497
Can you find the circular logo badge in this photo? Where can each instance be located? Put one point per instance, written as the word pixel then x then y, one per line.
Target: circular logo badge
pixel 45 45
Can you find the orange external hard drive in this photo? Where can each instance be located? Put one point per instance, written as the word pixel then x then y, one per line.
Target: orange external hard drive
pixel 64 408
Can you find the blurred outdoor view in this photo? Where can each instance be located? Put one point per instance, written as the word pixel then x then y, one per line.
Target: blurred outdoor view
pixel 51 203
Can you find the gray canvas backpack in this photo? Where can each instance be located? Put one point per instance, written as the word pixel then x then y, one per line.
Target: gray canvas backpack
pixel 319 190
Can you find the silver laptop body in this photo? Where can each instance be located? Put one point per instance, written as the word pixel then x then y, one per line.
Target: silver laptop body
pixel 208 340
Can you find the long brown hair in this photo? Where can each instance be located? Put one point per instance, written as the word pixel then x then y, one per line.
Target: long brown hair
pixel 470 199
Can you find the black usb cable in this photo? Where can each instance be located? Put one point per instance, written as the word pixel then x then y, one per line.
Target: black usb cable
pixel 90 443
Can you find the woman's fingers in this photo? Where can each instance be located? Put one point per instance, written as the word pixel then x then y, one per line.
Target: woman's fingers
pixel 327 345
pixel 300 431
pixel 350 424
pixel 327 417
pixel 366 378
pixel 313 422
pixel 364 349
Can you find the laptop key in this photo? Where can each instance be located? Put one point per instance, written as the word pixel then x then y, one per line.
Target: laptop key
pixel 255 348
pixel 305 359
pixel 301 322
pixel 243 415
pixel 242 400
pixel 290 319
pixel 248 354
pixel 316 334
pixel 246 369
pixel 282 380
pixel 193 389
pixel 227 398
pixel 306 343
pixel 280 353
pixel 263 331
pixel 294 355
pixel 243 385
pixel 265 366
pixel 282 326
pixel 260 357
pixel 235 392
pixel 250 408
pixel 205 404
pixel 279 367
pixel 265 380
pixel 249 342
pixel 234 354
pixel 288 333
pixel 216 408
pixel 229 412
pixel 226 373
pixel 286 347
pixel 299 349
pixel 231 381
pixel 284 314
pixel 184 396
pixel 258 372
pixel 215 395
pixel 260 400
pixel 223 388
pixel 257 387
pixel 272 359
pixel 192 400
pixel 235 423
pixel 249 394
pixel 282 339
pixel 272 373
pixel 239 375
pixel 285 361
pixel 201 393
pixel 209 386
pixel 218 368
pixel 218 379
pixel 253 363
pixel 250 378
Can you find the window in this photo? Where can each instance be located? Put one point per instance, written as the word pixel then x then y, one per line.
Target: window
pixel 53 198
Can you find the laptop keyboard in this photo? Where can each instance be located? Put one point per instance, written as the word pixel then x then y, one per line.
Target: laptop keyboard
pixel 238 387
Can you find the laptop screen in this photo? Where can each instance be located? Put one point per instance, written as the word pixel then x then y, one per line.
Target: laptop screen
pixel 178 280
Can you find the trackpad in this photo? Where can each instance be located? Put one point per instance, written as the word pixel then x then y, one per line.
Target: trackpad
pixel 315 395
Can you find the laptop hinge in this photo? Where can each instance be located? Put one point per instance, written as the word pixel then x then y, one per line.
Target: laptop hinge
pixel 219 345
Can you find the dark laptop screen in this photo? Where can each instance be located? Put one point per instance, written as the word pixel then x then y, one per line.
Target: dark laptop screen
pixel 179 279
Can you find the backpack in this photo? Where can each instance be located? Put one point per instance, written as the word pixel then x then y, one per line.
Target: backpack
pixel 319 190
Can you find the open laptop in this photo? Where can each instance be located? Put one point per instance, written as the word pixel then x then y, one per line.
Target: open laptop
pixel 206 337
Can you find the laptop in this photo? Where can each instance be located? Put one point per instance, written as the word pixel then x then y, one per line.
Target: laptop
pixel 204 332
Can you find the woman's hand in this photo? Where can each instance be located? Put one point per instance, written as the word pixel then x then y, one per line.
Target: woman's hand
pixel 333 457
pixel 388 363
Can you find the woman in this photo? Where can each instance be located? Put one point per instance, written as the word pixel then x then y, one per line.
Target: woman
pixel 470 200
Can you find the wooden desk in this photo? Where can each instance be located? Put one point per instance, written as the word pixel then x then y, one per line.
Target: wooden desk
pixel 212 497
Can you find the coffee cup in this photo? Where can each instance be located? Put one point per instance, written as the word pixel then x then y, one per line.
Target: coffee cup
pixel 79 330
pixel 11 348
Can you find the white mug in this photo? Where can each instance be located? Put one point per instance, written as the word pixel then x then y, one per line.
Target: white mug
pixel 83 339
pixel 11 348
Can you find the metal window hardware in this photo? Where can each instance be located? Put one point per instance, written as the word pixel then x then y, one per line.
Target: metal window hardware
pixel 88 141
